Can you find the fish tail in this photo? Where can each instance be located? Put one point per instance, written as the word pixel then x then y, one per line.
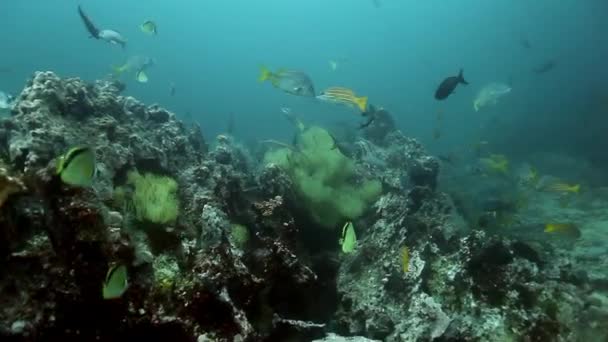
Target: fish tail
pixel 118 70
pixel 476 106
pixel 265 74
pixel 549 228
pixel 502 166
pixel 461 78
pixel 576 188
pixel 361 102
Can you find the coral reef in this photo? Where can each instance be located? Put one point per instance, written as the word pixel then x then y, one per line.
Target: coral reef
pixel 221 248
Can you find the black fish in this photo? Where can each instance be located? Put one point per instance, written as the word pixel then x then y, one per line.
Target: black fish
pixel 545 67
pixel 525 42
pixel 448 85
pixel 370 114
pixel 88 24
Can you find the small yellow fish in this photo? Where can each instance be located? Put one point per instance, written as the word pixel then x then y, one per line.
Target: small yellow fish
pixel 77 166
pixel 344 96
pixel 333 65
pixel 566 229
pixel 497 163
pixel 116 282
pixel 564 188
pixel 149 27
pixel 405 259
pixel 533 176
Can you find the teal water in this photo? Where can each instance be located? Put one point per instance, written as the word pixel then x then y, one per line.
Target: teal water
pixel 396 54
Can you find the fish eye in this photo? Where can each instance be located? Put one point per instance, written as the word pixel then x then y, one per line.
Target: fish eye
pixel 297 89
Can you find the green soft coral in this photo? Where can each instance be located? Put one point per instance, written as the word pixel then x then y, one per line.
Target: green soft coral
pixel 324 178
pixel 154 197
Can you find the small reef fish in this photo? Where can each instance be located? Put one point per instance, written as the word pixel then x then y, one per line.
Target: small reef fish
pixel 6 100
pixel 528 175
pixel 334 64
pixel 348 240
pixel 77 166
pixel 141 76
pixel 496 162
pixel 149 27
pixel 110 36
pixel 436 133
pixel 291 117
pixel 489 95
pixel 405 259
pixel 343 96
pixel 544 67
pixel 370 114
pixel 564 188
pixel 566 229
pixel 172 89
pixel 448 85
pixel 136 64
pixel 525 42
pixel 116 282
pixel 290 81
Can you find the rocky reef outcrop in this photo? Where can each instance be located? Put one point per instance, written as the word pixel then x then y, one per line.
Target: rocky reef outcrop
pixel 241 260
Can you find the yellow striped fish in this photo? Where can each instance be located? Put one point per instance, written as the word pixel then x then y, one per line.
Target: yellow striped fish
pixel 565 229
pixel 564 188
pixel 344 96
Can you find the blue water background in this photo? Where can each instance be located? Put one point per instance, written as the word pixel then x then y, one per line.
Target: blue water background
pixel 396 54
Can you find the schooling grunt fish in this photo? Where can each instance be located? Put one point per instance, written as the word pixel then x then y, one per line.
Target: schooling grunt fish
pixel 448 85
pixel 290 81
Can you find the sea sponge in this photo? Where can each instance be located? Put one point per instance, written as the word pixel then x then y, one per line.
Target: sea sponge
pixel 154 198
pixel 324 178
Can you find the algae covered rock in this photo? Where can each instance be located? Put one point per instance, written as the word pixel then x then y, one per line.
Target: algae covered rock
pixel 323 177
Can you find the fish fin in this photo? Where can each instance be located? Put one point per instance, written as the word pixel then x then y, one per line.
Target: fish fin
pixel 118 70
pixel 265 74
pixel 476 106
pixel 576 188
pixel 461 78
pixel 93 31
pixel 361 102
pixel 549 228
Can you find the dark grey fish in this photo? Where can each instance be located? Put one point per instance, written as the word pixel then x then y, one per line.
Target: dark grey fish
pixel 448 85
pixel 525 42
pixel 344 148
pixel 544 67
pixel 370 114
pixel 231 124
